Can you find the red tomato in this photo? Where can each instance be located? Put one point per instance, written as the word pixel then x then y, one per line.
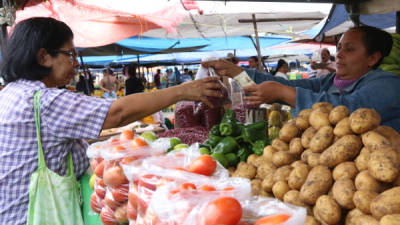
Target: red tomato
pixel 121 214
pixel 204 164
pixel 100 169
pixel 149 181
pixel 118 148
pixel 138 142
pixel 114 176
pixel 95 203
pixel 110 201
pixel 225 210
pixel 128 160
pixel 114 141
pixel 120 193
pixel 186 186
pixel 131 211
pixel 107 216
pixel 228 189
pixel 100 182
pixel 100 191
pixel 273 219
pixel 207 188
pixel 126 135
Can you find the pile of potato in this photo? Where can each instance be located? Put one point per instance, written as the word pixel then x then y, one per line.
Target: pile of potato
pixel 344 169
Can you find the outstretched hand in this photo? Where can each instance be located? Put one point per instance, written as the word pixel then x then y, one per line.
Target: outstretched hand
pixel 269 91
pixel 199 90
pixel 223 67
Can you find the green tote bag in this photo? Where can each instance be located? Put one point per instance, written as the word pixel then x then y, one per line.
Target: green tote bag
pixel 53 199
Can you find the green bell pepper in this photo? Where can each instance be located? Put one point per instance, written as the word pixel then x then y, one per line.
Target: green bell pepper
pixel 226 145
pixel 220 157
pixel 243 153
pixel 213 140
pixel 258 147
pixel 215 130
pixel 204 151
pixel 253 132
pixel 229 115
pixel 233 159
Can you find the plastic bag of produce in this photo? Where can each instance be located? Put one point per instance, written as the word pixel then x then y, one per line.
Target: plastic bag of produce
pixel 263 210
pixel 217 202
pixel 237 98
pixel 184 115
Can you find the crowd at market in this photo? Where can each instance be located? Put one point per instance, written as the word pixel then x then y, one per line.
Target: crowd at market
pixel 40 57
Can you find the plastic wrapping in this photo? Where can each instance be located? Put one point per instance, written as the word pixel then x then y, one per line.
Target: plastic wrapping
pixel 258 207
pixel 237 98
pixel 184 115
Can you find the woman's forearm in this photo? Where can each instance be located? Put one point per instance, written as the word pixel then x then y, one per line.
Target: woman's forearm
pixel 289 96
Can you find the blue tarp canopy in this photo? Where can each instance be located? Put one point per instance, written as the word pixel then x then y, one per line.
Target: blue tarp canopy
pixel 338 21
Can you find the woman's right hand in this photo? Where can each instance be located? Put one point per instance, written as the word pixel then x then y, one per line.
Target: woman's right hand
pixel 223 67
pixel 199 90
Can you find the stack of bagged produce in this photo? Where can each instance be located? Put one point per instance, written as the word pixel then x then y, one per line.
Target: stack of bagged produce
pixel 391 63
pixel 344 169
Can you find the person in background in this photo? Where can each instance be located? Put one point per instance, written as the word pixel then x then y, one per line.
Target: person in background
pixel 281 69
pixel 171 78
pixel 40 55
pixel 253 62
pixel 191 74
pixel 133 84
pixel 178 75
pixel 326 66
pixel 81 85
pixel 186 75
pixel 357 82
pixel 109 84
pixel 157 79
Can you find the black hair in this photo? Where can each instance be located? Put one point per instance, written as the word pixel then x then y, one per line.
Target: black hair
pixel 327 50
pixel 29 36
pixel 186 70
pixel 108 71
pixel 281 63
pixel 376 40
pixel 132 70
pixel 254 57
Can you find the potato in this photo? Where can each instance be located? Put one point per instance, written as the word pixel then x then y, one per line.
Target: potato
pixel 362 200
pixel 231 171
pixel 391 134
pixel 261 160
pixel 310 220
pixel 280 145
pixel 307 136
pixel 352 215
pixel 305 113
pixel 266 194
pixel 345 170
pixel 292 197
pixel 302 123
pixel 288 132
pixel 255 186
pixel 318 182
pixel 362 159
pixel 343 128
pixel 295 146
pixel 363 120
pixel 322 139
pixel 313 159
pixel 269 152
pixel 374 141
pixel 282 174
pixel 305 154
pixel 384 164
pixel 297 177
pixel 393 219
pixel 338 113
pixel 345 149
pixel 365 220
pixel 324 106
pixel 343 192
pixel 386 203
pixel 327 210
pixel 279 189
pixel 268 182
pixel 251 159
pixel 365 182
pixel 245 170
pixel 264 169
pixel 298 163
pixel 319 119
pixel 282 158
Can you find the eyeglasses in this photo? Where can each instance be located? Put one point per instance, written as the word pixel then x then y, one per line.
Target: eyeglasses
pixel 71 53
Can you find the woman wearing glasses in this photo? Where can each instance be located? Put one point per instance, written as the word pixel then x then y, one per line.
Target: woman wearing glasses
pixel 40 55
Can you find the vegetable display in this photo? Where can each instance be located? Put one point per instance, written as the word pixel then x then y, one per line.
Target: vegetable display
pixel 343 168
pixel 231 142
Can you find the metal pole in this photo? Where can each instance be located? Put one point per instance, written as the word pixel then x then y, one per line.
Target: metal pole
pixel 258 43
pixel 398 22
pixel 84 72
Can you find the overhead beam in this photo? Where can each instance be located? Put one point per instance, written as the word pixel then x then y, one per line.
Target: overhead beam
pixel 279 19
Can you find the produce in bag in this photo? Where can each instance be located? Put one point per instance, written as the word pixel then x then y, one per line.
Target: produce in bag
pixel 237 99
pixel 184 115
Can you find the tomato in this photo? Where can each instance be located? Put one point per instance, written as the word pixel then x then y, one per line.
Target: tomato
pixel 181 168
pixel 95 203
pixel 204 164
pixel 100 169
pixel 107 216
pixel 110 201
pixel 127 160
pixel 225 210
pixel 273 219
pixel 186 186
pixel 114 141
pixel 228 189
pixel 114 176
pixel 100 191
pixel 121 214
pixel 118 148
pixel 131 211
pixel 138 142
pixel 126 135
pixel 207 188
pixel 120 193
pixel 149 181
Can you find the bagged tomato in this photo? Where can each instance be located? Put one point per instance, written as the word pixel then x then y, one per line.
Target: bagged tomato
pixel 261 210
pixel 217 202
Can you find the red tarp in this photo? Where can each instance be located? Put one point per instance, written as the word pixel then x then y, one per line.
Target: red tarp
pixel 102 22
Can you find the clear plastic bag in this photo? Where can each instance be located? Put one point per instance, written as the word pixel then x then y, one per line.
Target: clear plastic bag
pixel 185 116
pixel 258 207
pixel 238 102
